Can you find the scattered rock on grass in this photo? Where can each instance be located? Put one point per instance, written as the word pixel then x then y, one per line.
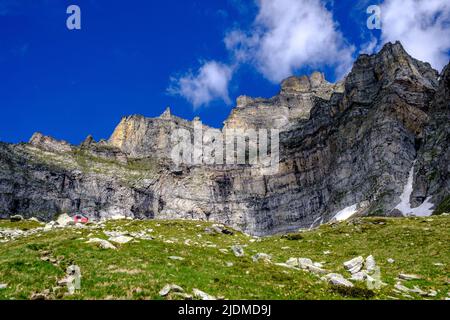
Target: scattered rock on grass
pixel 120 239
pixel 183 295
pixel 293 262
pixel 304 263
pixel 141 236
pixel 176 258
pixel 238 250
pixel 355 265
pixel 49 259
pixel 312 268
pixel 16 218
pixel 202 295
pixel 318 264
pixel 3 286
pixel 49 226
pixel 399 286
pixel 104 244
pixel 222 229
pixel 370 264
pixel 418 291
pixel 40 295
pixel 292 236
pixel 64 220
pixel 359 276
pixel 337 279
pixel 432 293
pixel 262 256
pixel 218 229
pixel 73 275
pixel 405 276
pixel 12 233
pixel 168 288
pixel 285 265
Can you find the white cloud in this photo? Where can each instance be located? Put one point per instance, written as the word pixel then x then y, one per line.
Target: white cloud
pixel 209 83
pixel 288 35
pixel 370 46
pixel 422 26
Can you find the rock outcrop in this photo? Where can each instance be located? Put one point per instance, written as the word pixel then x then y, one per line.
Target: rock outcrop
pixel 293 103
pixel 433 166
pixel 345 148
pixel 49 144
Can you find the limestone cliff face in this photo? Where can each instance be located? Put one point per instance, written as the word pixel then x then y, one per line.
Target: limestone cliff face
pixel 49 143
pixel 345 147
pixel 138 136
pixel 433 165
pixel 293 103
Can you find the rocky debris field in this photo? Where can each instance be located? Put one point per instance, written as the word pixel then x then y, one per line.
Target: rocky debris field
pixel 364 258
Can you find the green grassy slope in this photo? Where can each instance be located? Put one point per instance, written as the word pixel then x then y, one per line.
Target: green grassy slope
pixel 139 269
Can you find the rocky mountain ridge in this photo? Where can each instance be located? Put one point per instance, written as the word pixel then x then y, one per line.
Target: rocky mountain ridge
pixel 346 148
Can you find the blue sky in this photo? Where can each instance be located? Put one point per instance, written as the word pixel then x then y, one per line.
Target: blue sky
pixel 140 56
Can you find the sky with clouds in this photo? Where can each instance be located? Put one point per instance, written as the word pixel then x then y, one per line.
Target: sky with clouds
pixel 196 56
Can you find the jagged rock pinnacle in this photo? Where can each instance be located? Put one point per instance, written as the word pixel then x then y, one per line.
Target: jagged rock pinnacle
pixel 166 114
pixel 49 143
pixel 88 141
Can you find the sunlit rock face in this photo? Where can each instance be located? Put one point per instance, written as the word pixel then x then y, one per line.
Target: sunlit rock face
pixel 346 149
pixel 293 103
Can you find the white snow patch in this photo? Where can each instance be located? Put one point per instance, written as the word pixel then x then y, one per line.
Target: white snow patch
pixel 424 210
pixel 346 213
pixel 312 225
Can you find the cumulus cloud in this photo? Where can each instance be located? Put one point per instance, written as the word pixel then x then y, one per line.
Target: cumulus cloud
pixel 209 83
pixel 285 36
pixel 288 35
pixel 423 27
pixel 370 46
